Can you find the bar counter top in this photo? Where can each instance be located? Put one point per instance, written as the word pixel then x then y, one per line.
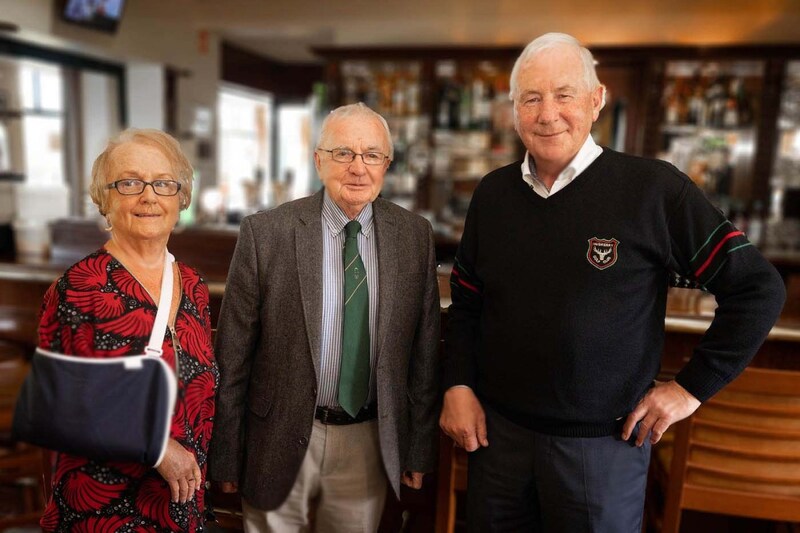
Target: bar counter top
pixel 688 311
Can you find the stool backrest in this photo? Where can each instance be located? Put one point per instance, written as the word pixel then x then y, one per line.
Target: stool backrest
pixel 739 454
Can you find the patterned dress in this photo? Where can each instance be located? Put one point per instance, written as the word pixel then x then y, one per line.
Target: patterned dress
pixel 98 309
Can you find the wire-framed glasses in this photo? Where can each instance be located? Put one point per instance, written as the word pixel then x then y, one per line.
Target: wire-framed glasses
pixel 345 155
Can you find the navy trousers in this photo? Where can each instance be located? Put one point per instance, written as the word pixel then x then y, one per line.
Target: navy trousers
pixel 526 481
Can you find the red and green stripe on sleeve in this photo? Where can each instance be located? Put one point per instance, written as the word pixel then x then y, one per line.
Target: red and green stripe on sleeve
pixel 464 283
pixel 709 259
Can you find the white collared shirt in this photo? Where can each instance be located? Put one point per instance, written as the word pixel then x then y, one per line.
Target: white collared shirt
pixel 585 157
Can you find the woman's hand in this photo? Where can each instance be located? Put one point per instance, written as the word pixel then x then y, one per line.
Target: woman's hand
pixel 181 472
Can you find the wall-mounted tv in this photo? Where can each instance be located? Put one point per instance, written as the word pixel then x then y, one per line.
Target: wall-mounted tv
pixel 101 15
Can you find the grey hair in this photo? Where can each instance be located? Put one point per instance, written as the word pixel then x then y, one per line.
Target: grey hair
pixel 181 167
pixel 350 110
pixel 552 40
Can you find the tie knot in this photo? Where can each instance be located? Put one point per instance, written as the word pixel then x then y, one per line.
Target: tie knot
pixel 352 228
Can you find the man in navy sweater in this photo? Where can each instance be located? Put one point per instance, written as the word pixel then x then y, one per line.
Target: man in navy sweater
pixel 557 323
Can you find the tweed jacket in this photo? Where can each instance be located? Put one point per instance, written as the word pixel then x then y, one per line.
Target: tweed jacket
pixel 268 348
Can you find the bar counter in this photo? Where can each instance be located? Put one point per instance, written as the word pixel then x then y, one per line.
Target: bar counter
pixel 209 249
pixel 689 312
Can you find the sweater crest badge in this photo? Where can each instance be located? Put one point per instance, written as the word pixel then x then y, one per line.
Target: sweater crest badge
pixel 602 253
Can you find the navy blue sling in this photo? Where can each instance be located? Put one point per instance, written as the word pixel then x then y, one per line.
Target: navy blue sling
pixel 116 408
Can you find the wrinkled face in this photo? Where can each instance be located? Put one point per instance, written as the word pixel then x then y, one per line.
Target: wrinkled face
pixel 553 108
pixel 146 215
pixel 353 185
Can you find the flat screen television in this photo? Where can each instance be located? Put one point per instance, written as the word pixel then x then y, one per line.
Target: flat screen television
pixel 101 15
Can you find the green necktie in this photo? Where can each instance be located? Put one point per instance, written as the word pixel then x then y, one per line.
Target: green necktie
pixel 354 373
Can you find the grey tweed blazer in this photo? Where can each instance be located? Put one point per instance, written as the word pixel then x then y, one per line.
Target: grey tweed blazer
pixel 268 344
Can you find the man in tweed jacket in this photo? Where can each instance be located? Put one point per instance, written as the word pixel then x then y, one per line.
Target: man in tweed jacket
pixel 281 438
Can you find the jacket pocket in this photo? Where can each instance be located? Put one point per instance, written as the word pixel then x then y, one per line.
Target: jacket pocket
pixel 259 405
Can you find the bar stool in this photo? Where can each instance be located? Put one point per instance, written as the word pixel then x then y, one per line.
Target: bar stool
pixel 452 480
pixel 739 454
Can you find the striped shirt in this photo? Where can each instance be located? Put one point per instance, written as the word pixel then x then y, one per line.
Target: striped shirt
pixel 333 234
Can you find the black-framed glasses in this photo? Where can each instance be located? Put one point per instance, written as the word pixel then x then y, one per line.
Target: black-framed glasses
pixel 131 186
pixel 344 155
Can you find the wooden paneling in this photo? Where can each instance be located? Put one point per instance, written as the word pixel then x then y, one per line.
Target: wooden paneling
pixel 286 81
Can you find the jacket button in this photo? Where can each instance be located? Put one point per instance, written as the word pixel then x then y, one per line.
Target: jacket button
pixel 314 392
pixel 303 441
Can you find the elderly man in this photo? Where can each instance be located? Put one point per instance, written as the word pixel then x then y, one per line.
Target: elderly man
pixel 327 346
pixel 557 322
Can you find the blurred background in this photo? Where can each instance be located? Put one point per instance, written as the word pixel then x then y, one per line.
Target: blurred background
pixel 713 88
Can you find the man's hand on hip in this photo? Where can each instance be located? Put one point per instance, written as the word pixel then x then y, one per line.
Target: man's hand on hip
pixel 463 419
pixel 662 406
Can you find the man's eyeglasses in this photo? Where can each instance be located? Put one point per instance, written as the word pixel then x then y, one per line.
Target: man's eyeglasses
pixel 343 155
pixel 129 187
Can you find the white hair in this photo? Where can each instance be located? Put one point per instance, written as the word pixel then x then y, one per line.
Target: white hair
pixel 553 40
pixel 350 110
pixel 164 142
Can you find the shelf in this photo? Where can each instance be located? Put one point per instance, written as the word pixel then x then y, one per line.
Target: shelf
pixel 458 177
pixel 654 93
pixel 691 129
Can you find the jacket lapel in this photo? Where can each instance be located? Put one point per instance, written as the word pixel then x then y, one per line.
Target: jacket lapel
pixel 308 246
pixel 387 235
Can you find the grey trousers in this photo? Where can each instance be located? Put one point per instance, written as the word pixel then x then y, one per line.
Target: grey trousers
pixel 526 481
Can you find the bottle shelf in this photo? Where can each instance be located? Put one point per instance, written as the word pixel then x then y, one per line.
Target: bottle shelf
pixel 708 110
pixel 691 129
pixel 708 127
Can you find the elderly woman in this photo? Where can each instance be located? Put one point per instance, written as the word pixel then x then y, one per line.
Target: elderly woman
pixel 104 306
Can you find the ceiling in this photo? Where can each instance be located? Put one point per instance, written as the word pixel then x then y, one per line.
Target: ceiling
pixel 287 29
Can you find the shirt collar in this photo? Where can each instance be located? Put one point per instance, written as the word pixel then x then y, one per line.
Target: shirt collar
pixel 336 220
pixel 585 157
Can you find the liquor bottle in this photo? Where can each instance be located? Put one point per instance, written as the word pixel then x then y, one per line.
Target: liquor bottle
pixel 502 108
pixel 413 90
pixel 716 103
pixel 730 119
pixel 369 90
pixel 697 107
pixel 481 99
pixel 739 219
pixel 399 107
pixel 670 99
pixel 684 95
pixel 385 83
pixel 755 228
pixel 442 110
pixel 350 90
pixel 449 96
pixel 465 107
pixel 742 99
pixel 448 108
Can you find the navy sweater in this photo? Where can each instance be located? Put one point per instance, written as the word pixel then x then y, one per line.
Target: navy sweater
pixel 557 320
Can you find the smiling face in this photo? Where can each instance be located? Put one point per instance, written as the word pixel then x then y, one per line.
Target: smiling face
pixel 352 185
pixel 554 108
pixel 147 215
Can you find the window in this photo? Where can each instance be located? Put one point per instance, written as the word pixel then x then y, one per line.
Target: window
pixel 294 179
pixel 245 155
pixel 42 123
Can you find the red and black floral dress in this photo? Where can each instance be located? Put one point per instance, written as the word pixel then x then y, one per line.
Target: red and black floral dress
pixel 98 309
